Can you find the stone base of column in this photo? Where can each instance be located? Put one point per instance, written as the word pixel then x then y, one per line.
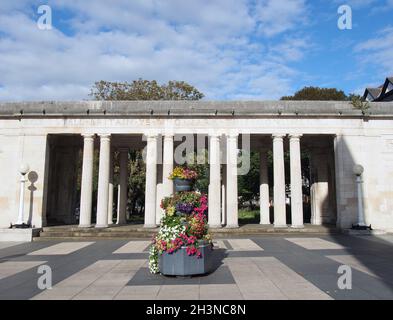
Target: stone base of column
pixel 101 226
pixel 301 226
pixel 215 226
pixel 85 226
pixel 280 226
pixel 150 226
pixel 232 226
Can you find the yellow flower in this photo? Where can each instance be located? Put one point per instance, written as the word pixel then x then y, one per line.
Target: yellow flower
pixel 170 211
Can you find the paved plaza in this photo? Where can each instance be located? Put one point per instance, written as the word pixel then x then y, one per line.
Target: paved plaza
pixel 263 267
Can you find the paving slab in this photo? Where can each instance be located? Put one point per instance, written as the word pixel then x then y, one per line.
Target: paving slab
pixel 263 267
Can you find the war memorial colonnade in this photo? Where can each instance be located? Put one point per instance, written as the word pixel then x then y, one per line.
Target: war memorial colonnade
pixel 48 136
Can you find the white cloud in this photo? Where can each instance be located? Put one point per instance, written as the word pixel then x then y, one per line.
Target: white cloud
pixel 277 16
pixel 376 54
pixel 209 44
pixel 356 4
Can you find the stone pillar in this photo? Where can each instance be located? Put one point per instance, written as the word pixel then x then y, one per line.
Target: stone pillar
pixel 159 196
pixel 110 194
pixel 264 199
pixel 118 204
pixel 165 188
pixel 223 195
pixel 279 181
pixel 296 182
pixel 167 167
pixel 215 182
pixel 87 181
pixel 123 182
pixel 232 193
pixel 151 182
pixel 103 181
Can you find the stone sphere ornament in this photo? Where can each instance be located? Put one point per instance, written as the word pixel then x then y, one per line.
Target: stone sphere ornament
pixel 24 168
pixel 358 169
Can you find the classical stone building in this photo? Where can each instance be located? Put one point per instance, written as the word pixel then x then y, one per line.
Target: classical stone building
pixel 51 136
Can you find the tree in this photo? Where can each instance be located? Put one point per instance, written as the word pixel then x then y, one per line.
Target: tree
pixel 249 183
pixel 144 90
pixel 318 94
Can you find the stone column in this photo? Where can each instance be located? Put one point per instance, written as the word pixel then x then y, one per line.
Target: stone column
pixel 167 167
pixel 296 182
pixel 159 196
pixel 215 182
pixel 264 188
pixel 123 182
pixel 223 195
pixel 165 188
pixel 151 182
pixel 103 181
pixel 110 194
pixel 279 181
pixel 87 181
pixel 232 193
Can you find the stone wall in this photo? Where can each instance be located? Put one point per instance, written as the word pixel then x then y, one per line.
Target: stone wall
pixel 15 150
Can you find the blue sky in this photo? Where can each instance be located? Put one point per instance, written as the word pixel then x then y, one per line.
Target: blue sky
pixel 229 49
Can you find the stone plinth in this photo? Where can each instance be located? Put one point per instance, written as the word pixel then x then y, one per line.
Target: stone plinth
pixel 18 235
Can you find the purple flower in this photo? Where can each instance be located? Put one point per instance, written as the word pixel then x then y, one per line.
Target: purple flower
pixel 186 208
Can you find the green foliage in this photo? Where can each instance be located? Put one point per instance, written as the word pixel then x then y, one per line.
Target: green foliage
pixel 136 181
pixel 359 104
pixel 247 216
pixel 144 90
pixel 171 221
pixel 318 94
pixel 249 183
pixel 199 163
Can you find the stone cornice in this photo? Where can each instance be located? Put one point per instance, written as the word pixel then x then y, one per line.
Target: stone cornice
pixel 174 109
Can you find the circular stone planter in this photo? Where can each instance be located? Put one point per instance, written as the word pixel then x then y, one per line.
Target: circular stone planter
pixel 183 184
pixel 180 263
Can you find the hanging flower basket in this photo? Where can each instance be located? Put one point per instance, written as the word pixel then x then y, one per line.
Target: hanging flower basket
pixel 183 184
pixel 183 178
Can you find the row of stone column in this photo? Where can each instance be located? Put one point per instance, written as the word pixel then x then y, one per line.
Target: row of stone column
pixel 279 195
pixel 223 189
pixel 105 183
pixel 152 211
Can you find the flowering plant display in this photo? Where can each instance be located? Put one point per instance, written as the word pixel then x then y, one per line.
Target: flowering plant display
pixel 183 225
pixel 183 173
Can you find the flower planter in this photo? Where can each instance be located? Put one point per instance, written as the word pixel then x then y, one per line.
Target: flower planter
pixel 183 184
pixel 180 263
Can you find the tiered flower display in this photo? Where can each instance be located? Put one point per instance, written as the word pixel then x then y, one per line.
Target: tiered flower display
pixel 183 225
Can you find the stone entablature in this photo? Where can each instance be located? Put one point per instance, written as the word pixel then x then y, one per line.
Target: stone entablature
pixel 25 129
pixel 190 109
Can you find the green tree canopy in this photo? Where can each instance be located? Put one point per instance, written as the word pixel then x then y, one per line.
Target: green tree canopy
pixel 318 94
pixel 144 90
